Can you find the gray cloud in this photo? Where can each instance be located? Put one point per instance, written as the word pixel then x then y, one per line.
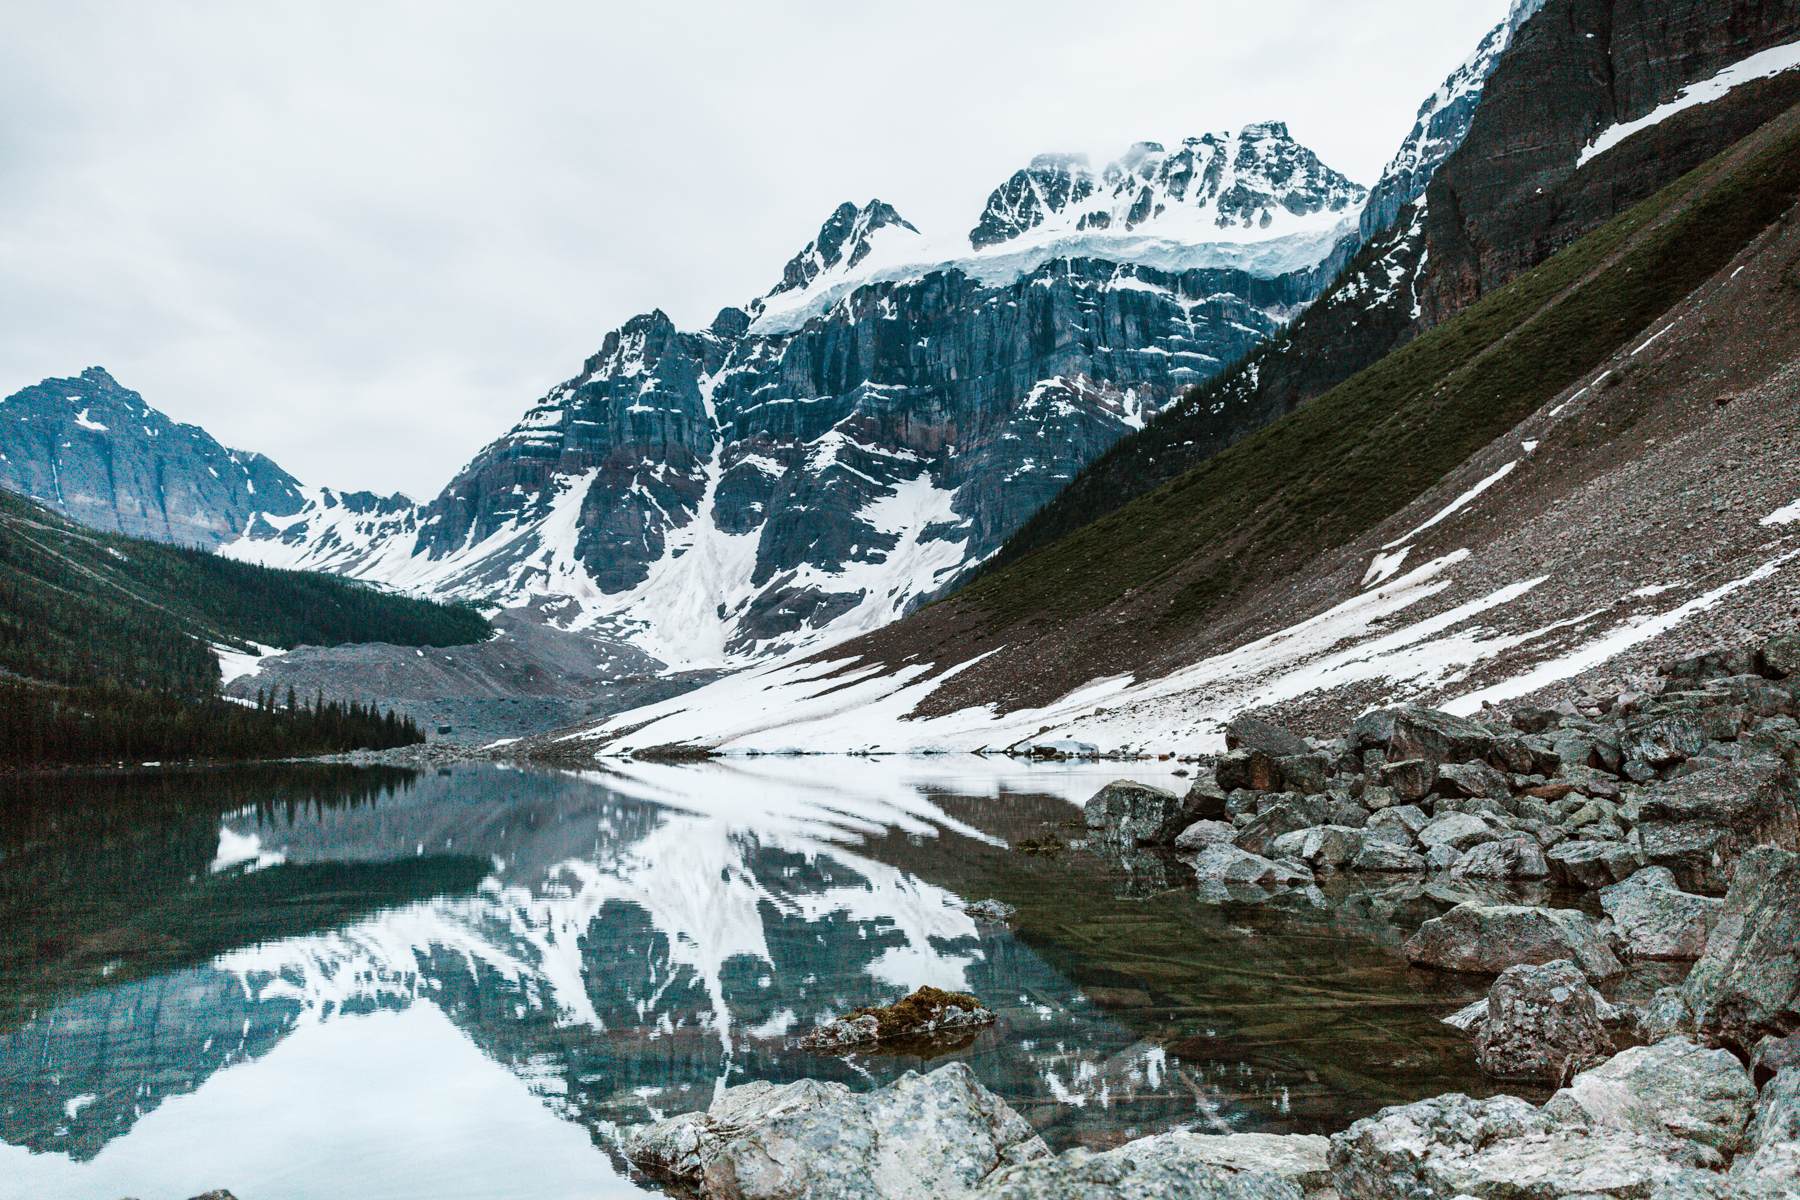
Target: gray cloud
pixel 362 237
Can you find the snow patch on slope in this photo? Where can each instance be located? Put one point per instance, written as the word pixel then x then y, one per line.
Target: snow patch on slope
pixel 1768 63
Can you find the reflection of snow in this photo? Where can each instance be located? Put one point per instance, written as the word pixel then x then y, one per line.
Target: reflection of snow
pixel 388 1104
pixel 239 849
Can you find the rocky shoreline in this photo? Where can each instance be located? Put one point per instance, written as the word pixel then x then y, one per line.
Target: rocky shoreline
pixel 1673 811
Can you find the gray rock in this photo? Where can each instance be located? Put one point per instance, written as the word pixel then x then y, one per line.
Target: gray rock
pixel 1697 825
pixel 1747 984
pixel 1136 814
pixel 1781 654
pixel 1204 833
pixel 922 1135
pixel 1400 823
pixel 1542 1024
pixel 1254 770
pixel 1502 1148
pixel 1456 830
pixel 1324 847
pixel 1437 736
pixel 997 912
pixel 1487 939
pixel 1206 799
pixel 1774 1055
pixel 1770 1159
pixel 679 1147
pixel 1409 779
pixel 1385 857
pixel 1470 1017
pixel 1698 1098
pixel 1174 1166
pixel 1441 858
pixel 1304 772
pixel 1654 919
pixel 1473 779
pixel 1589 864
pixel 1286 815
pixel 1219 863
pixel 1664 1015
pixel 1253 733
pixel 1508 858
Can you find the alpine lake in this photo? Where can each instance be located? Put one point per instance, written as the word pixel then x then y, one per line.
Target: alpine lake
pixel 304 981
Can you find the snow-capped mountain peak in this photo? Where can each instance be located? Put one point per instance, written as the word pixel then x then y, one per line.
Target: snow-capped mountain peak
pixel 1256 183
pixel 848 236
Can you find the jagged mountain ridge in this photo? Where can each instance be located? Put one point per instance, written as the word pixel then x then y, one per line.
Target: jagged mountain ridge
pixel 96 452
pixel 815 464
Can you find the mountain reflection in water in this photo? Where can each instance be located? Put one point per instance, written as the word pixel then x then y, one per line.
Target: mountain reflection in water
pixel 317 982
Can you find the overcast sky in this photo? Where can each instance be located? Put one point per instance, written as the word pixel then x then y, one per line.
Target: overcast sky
pixel 363 237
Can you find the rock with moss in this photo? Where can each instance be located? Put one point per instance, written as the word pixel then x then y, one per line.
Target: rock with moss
pixel 1542 1024
pixel 928 1012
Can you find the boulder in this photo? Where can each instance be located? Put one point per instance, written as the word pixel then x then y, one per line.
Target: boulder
pixel 679 1147
pixel 1281 816
pixel 922 1135
pixel 1456 830
pixel 994 912
pixel 1409 779
pixel 1219 863
pixel 1774 1055
pixel 1325 847
pixel 1386 857
pixel 1697 825
pixel 1488 938
pixel 1653 918
pixel 1769 1163
pixel 1542 1024
pixel 1254 770
pixel 1136 814
pixel 1781 654
pixel 1509 858
pixel 1206 799
pixel 1590 864
pixel 1204 833
pixel 1399 824
pixel 1472 779
pixel 1501 1148
pixel 1307 772
pixel 1437 736
pixel 1173 1166
pixel 1746 985
pixel 1699 1099
pixel 1254 733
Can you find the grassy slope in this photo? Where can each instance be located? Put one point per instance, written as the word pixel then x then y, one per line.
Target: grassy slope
pixel 1323 475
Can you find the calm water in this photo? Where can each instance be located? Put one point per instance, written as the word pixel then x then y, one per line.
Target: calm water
pixel 320 982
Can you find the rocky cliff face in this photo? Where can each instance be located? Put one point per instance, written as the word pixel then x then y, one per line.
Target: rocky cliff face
pixel 1523 186
pixel 96 452
pixel 818 462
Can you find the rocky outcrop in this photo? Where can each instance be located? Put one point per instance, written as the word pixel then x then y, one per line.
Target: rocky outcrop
pixel 1542 1024
pixel 97 453
pixel 1747 984
pixel 1698 824
pixel 939 1135
pixel 1489 938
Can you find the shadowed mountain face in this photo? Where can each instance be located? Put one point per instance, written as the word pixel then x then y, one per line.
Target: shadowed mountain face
pixel 632 942
pixel 96 452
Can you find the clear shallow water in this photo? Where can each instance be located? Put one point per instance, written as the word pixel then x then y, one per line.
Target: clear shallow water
pixel 319 982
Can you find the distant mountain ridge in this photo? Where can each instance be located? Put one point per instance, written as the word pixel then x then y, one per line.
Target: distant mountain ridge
pixel 96 452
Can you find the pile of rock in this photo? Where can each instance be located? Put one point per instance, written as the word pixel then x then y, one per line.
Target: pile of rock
pixel 1672 1121
pixel 1684 776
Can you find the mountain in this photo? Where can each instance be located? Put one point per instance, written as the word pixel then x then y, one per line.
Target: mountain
pixel 818 462
pixel 112 647
pixel 96 453
pixel 1517 183
pixel 1552 483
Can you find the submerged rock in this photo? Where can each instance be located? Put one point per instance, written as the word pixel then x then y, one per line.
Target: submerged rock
pixel 926 1012
pixel 1487 939
pixel 1542 1024
pixel 1226 864
pixel 923 1135
pixel 996 912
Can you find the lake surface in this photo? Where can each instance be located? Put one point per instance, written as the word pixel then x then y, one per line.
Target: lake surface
pixel 302 982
